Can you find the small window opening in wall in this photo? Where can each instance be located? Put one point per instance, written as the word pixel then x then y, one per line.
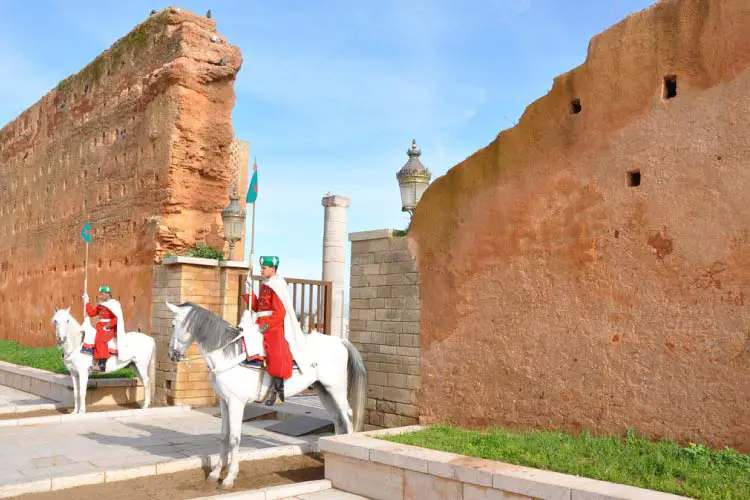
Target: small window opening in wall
pixel 670 86
pixel 634 178
pixel 575 106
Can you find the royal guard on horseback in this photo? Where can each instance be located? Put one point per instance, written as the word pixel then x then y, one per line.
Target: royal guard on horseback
pixel 109 326
pixel 283 339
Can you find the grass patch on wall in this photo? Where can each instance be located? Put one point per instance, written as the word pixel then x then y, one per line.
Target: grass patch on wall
pixel 695 471
pixel 202 251
pixel 46 358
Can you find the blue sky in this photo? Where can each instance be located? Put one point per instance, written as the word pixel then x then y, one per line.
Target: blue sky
pixel 331 93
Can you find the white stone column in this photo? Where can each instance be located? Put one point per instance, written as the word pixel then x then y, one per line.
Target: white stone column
pixel 334 254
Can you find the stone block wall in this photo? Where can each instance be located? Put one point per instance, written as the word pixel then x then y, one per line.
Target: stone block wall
pixel 384 324
pixel 209 283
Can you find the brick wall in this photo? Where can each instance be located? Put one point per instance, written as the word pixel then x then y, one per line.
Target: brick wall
pixel 208 283
pixel 384 324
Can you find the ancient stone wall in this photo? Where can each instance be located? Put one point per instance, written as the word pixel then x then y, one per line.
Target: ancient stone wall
pixel 384 325
pixel 138 142
pixel 590 268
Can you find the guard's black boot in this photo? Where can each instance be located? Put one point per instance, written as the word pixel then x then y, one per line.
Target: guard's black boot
pixel 102 365
pixel 280 388
pixel 272 398
pixel 278 391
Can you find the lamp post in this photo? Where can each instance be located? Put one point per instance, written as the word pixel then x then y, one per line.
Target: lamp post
pixel 413 179
pixel 233 217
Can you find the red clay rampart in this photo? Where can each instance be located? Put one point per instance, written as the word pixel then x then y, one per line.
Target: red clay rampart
pixel 590 268
pixel 138 142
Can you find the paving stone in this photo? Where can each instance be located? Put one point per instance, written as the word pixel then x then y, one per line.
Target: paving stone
pixel 299 426
pixel 51 461
pixel 72 448
pixel 16 400
pixel 56 471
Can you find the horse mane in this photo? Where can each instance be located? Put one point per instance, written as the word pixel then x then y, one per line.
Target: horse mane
pixel 210 330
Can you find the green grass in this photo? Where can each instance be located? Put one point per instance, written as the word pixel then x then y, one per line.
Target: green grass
pixel 694 471
pixel 46 358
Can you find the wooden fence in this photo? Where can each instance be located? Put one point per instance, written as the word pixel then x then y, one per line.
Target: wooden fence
pixel 312 302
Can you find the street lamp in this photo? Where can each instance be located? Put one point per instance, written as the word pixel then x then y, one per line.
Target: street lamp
pixel 233 217
pixel 413 179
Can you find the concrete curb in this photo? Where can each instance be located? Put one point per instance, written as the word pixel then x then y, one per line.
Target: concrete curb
pixel 374 468
pixel 21 409
pixel 54 386
pixel 159 468
pixel 277 492
pixel 76 417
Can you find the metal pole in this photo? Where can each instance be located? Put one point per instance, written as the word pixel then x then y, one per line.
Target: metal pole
pixel 252 252
pixel 86 277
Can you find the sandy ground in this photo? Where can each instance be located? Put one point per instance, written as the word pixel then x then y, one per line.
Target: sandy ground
pixel 192 484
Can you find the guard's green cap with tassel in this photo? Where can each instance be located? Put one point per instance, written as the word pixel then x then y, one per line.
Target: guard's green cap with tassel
pixel 105 289
pixel 269 261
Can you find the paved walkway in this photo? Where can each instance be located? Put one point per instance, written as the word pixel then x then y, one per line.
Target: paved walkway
pixel 11 399
pixel 71 448
pixel 328 495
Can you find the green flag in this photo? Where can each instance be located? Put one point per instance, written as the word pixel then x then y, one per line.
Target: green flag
pixel 86 232
pixel 252 191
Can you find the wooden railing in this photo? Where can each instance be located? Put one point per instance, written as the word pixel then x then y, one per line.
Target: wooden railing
pixel 312 302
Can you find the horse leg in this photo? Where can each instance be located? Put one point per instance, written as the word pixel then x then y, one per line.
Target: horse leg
pixel 343 412
pixel 330 405
pixel 142 371
pixel 224 441
pixel 83 384
pixel 74 378
pixel 236 409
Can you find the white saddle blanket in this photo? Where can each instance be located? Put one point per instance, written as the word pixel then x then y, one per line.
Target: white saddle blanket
pixel 253 338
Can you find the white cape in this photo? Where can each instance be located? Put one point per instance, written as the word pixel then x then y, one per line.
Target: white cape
pixel 292 330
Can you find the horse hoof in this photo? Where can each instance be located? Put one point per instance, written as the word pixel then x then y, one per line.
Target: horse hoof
pixel 225 486
pixel 212 478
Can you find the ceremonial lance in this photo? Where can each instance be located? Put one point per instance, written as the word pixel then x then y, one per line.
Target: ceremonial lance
pixel 86 235
pixel 252 196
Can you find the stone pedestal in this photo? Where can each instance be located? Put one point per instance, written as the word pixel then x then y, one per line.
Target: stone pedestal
pixel 334 255
pixel 384 316
pixel 209 283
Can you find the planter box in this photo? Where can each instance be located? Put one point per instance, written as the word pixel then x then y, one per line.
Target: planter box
pixel 58 387
pixel 381 470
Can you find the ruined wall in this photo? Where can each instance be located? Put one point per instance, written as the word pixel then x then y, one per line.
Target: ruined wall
pixel 559 288
pixel 138 142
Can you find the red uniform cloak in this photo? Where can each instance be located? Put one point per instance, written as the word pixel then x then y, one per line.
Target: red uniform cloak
pixel 278 355
pixel 106 329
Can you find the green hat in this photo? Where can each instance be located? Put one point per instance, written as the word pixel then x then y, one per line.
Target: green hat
pixel 105 289
pixel 269 261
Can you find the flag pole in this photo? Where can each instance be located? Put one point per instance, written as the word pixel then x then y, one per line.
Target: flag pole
pixel 86 275
pixel 252 233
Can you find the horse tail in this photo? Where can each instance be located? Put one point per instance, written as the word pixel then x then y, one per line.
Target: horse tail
pixel 356 387
pixel 152 371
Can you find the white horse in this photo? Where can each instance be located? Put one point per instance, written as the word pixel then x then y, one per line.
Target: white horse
pixel 337 374
pixel 69 338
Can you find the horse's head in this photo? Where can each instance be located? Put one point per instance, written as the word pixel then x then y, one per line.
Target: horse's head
pixel 61 319
pixel 182 339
